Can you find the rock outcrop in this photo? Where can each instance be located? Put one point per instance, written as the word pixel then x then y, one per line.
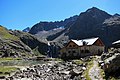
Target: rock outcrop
pixel 111 62
pixel 12 46
pixel 19 44
pixel 31 41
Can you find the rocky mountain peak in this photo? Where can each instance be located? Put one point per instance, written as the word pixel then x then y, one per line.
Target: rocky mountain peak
pixel 116 15
pixel 26 29
pixel 89 24
pixel 93 9
pixel 95 13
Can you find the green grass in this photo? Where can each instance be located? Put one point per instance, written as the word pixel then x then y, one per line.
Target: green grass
pixel 36 52
pixel 4 70
pixel 89 66
pixel 78 61
pixel 6 35
pixel 9 59
pixel 113 78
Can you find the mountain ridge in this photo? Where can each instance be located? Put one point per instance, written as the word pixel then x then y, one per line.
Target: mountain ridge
pixel 91 23
pixel 46 26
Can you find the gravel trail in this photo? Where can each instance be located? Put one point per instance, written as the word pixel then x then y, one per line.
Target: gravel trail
pixel 95 71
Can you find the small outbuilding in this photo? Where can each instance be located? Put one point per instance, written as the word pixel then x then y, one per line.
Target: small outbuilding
pixel 81 48
pixel 116 44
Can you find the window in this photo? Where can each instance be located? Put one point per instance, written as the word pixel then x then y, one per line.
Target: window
pixel 69 51
pixel 82 51
pixel 70 45
pixel 87 51
pixel 73 45
pixel 73 51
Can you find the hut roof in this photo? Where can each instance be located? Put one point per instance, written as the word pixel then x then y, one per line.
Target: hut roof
pixel 90 41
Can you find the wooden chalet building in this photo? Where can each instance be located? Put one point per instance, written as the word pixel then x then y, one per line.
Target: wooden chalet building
pixel 81 48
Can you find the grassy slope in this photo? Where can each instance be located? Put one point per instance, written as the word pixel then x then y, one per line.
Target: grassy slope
pixel 9 39
pixel 5 70
pixel 6 35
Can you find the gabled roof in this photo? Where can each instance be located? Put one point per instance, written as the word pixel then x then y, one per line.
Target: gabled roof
pixel 116 42
pixel 90 41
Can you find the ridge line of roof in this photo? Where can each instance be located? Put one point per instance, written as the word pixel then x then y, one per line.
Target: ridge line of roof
pixel 89 41
pixel 86 38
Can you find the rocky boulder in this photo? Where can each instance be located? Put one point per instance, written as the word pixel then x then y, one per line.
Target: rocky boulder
pixel 51 71
pixel 111 63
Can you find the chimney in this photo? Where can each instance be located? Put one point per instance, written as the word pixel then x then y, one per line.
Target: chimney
pixel 84 43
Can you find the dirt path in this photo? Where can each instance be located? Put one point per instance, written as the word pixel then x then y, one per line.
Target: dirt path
pixel 95 71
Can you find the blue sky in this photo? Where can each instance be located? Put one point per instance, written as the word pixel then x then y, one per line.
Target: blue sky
pixel 19 14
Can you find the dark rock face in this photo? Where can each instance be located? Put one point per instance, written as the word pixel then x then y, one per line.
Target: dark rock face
pixel 88 24
pixel 31 41
pixel 111 29
pixel 50 25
